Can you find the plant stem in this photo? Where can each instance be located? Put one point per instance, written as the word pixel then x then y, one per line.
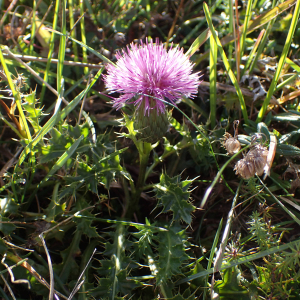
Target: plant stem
pixel 144 153
pixel 144 158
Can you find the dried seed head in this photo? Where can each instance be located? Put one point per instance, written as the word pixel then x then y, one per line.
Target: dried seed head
pixel 258 156
pixel 244 168
pixel 253 163
pixel 231 144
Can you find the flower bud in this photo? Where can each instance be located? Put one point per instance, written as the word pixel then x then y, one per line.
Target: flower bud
pixel 151 126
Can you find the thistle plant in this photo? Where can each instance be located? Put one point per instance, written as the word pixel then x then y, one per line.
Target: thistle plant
pixel 147 76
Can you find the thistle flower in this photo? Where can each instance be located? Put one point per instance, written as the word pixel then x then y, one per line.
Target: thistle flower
pixel 146 73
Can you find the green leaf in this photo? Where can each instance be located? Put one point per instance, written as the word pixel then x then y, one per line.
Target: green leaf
pixel 8 206
pixel 68 259
pixel 291 116
pixel 171 250
pixel 62 138
pixel 104 17
pixel 57 116
pixel 114 271
pixel 287 150
pixel 229 288
pixel 84 225
pixel 33 113
pixel 198 42
pixel 3 247
pixel 54 208
pixel 226 63
pixel 6 227
pixel 180 297
pixel 63 159
pixel 213 61
pixel 174 195
pixel 145 240
pixel 102 171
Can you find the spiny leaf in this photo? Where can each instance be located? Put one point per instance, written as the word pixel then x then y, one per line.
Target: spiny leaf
pixel 54 208
pixel 68 259
pixel 230 287
pixel 172 244
pixel 58 115
pixel 84 225
pixel 123 286
pixel 6 227
pixel 91 174
pixel 61 139
pixel 174 195
pixel 115 270
pixel 145 237
pixel 63 159
pixel 181 297
pixel 34 113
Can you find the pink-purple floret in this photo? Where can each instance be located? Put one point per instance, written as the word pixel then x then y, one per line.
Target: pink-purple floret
pixel 151 70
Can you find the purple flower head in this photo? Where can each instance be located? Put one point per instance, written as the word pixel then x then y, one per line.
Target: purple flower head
pixel 151 70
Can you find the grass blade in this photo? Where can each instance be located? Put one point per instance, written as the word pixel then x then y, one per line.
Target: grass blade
pixel 198 42
pixel 212 254
pixel 62 49
pixel 217 177
pixel 51 49
pixel 213 55
pixel 73 33
pixel 83 37
pixel 261 46
pixel 198 26
pixel 33 27
pixel 281 205
pixel 220 253
pixel 291 78
pixel 253 51
pixel 245 27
